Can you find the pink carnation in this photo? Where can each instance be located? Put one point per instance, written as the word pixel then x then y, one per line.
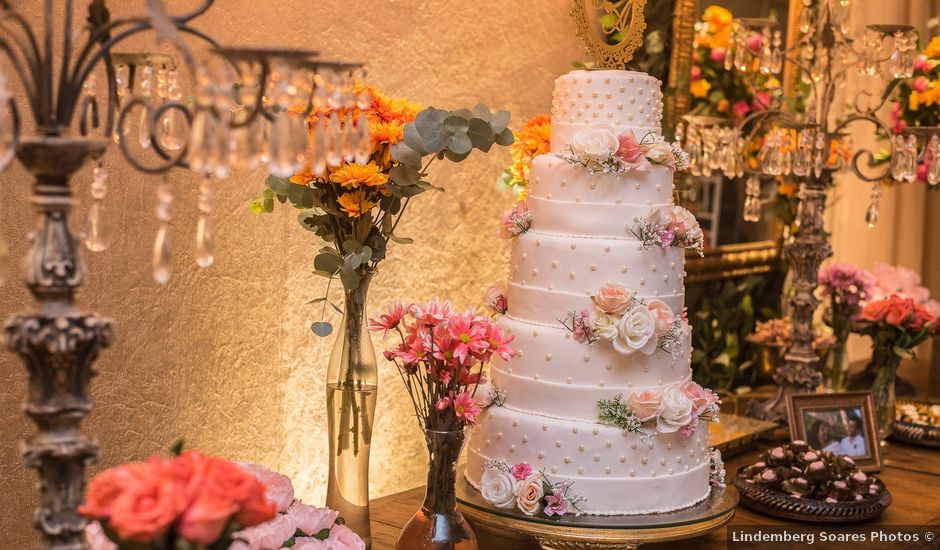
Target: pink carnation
pixel 521 471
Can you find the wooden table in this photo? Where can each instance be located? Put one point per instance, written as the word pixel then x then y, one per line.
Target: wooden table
pixel 912 474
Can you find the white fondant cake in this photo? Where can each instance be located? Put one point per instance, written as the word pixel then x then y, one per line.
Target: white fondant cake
pixel 584 235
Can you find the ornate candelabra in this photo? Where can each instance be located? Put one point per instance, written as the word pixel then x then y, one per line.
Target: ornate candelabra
pixel 241 116
pixel 805 143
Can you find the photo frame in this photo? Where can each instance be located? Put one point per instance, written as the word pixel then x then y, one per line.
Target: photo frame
pixel 843 423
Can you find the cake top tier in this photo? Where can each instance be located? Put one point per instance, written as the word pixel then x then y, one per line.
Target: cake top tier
pixel 619 98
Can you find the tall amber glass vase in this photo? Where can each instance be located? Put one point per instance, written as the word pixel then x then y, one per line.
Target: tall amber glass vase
pixel 350 401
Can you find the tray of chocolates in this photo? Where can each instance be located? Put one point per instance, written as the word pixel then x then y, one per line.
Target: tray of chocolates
pixel 917 421
pixel 797 482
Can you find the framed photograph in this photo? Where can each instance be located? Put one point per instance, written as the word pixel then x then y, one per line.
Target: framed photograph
pixel 842 423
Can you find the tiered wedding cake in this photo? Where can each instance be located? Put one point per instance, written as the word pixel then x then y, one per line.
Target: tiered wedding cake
pixel 600 400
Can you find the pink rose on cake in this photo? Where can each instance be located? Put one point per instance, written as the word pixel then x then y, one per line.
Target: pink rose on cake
pixel 515 222
pixel 637 332
pixel 614 299
pixel 529 494
pixel 701 398
pixel 664 316
pixel 595 144
pixel 496 299
pixel 645 405
pixel 632 153
pixel 498 487
pixel 676 411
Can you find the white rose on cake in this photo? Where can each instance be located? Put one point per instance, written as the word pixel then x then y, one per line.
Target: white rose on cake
pixel 498 488
pixel 596 144
pixel 637 332
pixel 605 326
pixel 529 494
pixel 676 411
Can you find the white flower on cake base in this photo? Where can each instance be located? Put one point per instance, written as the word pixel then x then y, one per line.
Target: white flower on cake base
pixel 636 331
pixel 498 487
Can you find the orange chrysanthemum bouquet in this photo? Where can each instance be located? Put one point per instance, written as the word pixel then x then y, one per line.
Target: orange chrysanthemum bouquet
pixel 368 158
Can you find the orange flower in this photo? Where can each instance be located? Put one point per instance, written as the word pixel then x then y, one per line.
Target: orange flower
pixel 933 49
pixel 722 106
pixel 700 88
pixel 386 133
pixel 532 140
pixel 717 16
pixel 355 204
pixel 302 178
pixel 352 176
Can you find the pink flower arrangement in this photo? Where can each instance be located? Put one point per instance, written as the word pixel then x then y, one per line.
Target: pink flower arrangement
pixel 532 492
pixel 441 356
pixel 669 226
pixel 677 409
pixel 496 299
pixel 846 284
pixel 632 154
pixel 600 150
pixel 515 222
pixel 900 281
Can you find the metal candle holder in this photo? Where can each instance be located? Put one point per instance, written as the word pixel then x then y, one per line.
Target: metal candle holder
pixel 58 342
pixel 799 145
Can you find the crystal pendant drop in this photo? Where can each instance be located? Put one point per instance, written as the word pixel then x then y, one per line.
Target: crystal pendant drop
pixel 221 158
pixel 318 149
pixel 204 229
pixel 162 260
pixel 98 233
pixel 933 149
pixel 171 130
pixel 162 269
pixel 871 215
pixel 202 142
pixel 364 145
pixel 243 147
pixel 285 148
pixel 350 142
pixel 143 128
pixel 334 142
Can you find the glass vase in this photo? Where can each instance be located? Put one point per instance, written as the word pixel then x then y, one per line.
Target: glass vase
pixel 886 363
pixel 439 525
pixel 351 390
pixel 836 375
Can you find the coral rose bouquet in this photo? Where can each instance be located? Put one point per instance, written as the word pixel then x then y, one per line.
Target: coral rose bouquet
pixel 896 326
pixel 441 355
pixel 194 501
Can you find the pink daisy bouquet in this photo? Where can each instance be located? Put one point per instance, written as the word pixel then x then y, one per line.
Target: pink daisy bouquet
pixel 441 356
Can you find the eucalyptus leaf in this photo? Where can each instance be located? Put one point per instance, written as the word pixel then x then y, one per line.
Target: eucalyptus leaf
pixel 316 301
pixel 460 144
pixel 414 141
pixel 328 262
pixel 505 138
pixel 401 240
pixel 500 121
pixel 456 124
pixel 322 329
pixel 482 112
pixel 455 157
pixel 279 185
pixel 405 154
pixel 480 134
pixel 404 176
pixel 350 279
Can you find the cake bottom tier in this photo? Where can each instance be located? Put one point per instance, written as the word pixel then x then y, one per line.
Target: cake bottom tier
pixel 615 471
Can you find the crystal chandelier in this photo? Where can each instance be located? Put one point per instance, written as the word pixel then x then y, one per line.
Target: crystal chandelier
pixel 809 143
pixel 775 141
pixel 249 109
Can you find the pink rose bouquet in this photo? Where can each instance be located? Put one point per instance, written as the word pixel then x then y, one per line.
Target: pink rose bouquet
pixel 441 356
pixel 532 492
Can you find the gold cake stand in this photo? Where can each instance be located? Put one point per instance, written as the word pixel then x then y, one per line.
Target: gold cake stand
pixel 598 532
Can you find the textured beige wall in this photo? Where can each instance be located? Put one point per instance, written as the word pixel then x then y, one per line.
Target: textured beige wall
pixel 224 357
